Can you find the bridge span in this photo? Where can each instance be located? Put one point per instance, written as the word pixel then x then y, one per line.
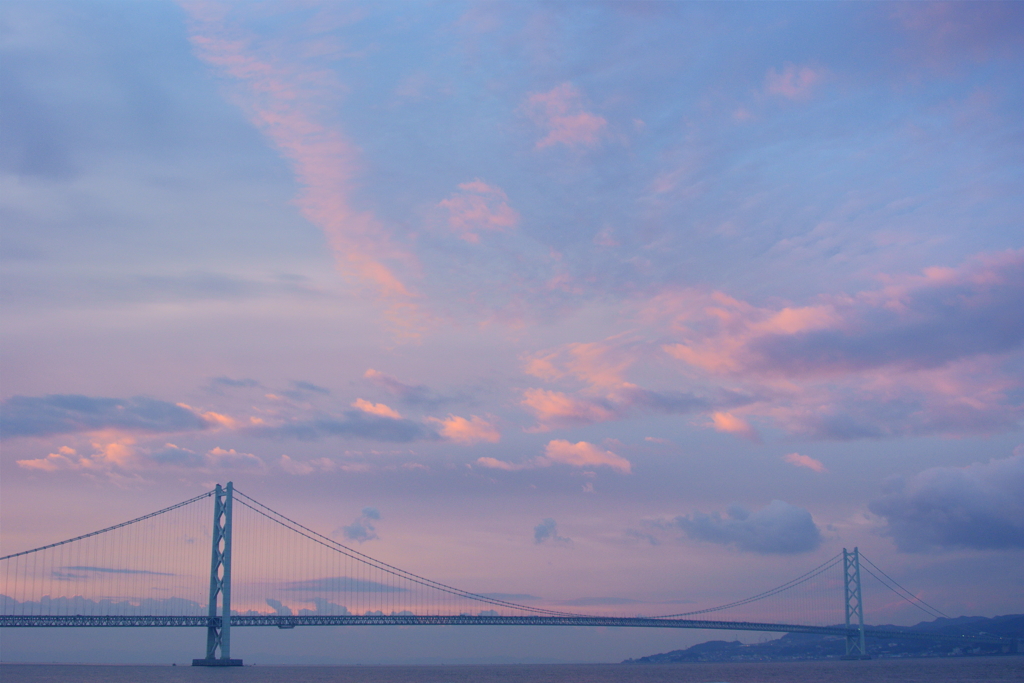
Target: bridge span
pixel 129 565
pixel 415 620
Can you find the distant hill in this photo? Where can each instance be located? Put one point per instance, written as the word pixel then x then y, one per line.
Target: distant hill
pixel 804 646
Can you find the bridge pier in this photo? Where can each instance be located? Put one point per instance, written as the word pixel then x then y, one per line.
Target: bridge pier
pixel 218 630
pixel 216 662
pixel 855 646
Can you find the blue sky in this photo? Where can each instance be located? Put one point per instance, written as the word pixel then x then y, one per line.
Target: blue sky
pixel 687 287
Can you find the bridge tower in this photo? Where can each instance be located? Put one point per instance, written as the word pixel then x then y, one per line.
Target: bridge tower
pixel 218 631
pixel 855 648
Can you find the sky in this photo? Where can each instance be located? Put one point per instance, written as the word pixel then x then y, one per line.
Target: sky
pixel 641 302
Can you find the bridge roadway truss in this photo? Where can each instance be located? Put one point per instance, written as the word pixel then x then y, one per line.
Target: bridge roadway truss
pixel 411 620
pixel 288 622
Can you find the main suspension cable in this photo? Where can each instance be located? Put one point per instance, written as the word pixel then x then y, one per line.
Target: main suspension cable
pixel 820 569
pixel 111 528
pixel 906 595
pixel 330 543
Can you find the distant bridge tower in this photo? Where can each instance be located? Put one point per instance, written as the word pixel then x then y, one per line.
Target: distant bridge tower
pixel 218 631
pixel 855 648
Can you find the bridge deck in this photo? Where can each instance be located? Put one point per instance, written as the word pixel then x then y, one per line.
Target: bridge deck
pixel 411 620
pixel 457 620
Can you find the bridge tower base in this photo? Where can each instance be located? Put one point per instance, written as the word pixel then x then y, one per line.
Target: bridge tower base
pixel 218 632
pixel 855 646
pixel 216 662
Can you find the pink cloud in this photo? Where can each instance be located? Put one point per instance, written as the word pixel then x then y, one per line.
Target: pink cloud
pixel 120 456
pixel 292 466
pixel 495 464
pixel 478 207
pixel 930 353
pixel 230 458
pixel 376 409
pixel 555 409
pixel 793 82
pixel 473 430
pixel 606 238
pixel 65 458
pixel 560 452
pixel 606 395
pixel 922 354
pixel 111 452
pixel 600 364
pixel 560 112
pixel 584 454
pixel 287 101
pixel 804 461
pixel 914 322
pixel 299 467
pixel 738 323
pixel 213 418
pixel 742 115
pixel 727 422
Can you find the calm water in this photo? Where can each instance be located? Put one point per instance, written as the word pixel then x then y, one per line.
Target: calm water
pixel 877 671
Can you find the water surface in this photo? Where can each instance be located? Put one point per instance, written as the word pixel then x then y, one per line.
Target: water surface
pixel 960 670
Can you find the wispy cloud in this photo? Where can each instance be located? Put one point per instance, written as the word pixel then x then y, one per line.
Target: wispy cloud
pixel 229 458
pixel 378 409
pixel 917 322
pixel 478 208
pixel 555 409
pixel 561 452
pixel 583 454
pixel 807 461
pixel 342 584
pixel 305 467
pixel 111 454
pixel 727 422
pixel 474 430
pixel 560 113
pixel 286 98
pixel 794 82
pixel 118 455
pixel 606 395
pixel 948 33
pixel 600 364
pixel 930 353
pixel 599 602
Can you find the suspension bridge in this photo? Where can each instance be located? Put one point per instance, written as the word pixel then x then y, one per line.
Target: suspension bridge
pixel 256 567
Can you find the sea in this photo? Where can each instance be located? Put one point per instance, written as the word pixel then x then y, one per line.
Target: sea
pixel 945 670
